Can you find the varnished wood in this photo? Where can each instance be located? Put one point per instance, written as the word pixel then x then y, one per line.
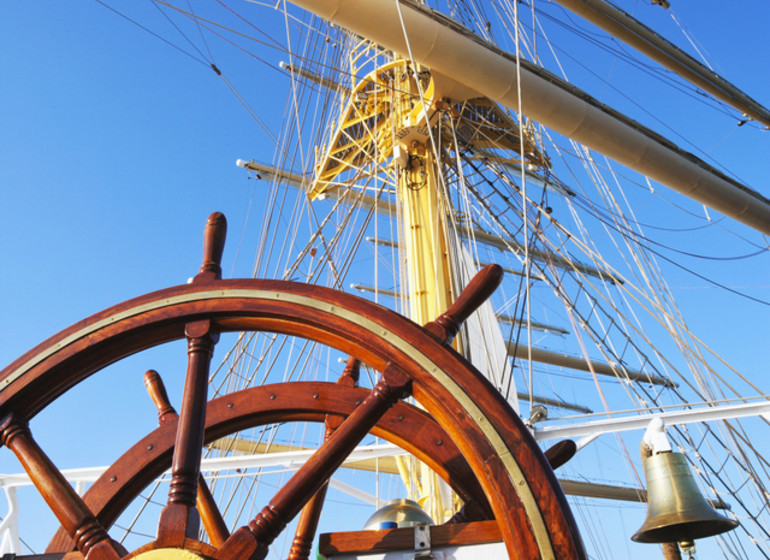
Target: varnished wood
pixel 486 429
pixel 471 510
pixel 560 453
pixel 207 508
pixel 90 538
pixel 211 517
pixel 351 373
pixel 446 326
pixel 213 246
pixel 160 317
pixel 159 396
pixel 349 378
pixel 404 425
pixel 149 320
pixel 351 542
pixel 307 524
pixel 292 497
pixel 180 518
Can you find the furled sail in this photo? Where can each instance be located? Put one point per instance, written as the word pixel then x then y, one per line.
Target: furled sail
pixel 622 26
pixel 446 48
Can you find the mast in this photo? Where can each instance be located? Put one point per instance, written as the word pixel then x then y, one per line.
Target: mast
pixel 423 206
pixel 397 122
pixel 425 238
pixel 386 119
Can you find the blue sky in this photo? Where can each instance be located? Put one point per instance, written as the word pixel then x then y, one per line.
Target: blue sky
pixel 114 147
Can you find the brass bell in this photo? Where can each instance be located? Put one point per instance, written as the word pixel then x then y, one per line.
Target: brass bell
pixel 397 513
pixel 676 510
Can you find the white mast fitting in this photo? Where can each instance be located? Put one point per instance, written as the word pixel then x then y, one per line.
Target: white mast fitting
pixel 641 421
pixel 457 54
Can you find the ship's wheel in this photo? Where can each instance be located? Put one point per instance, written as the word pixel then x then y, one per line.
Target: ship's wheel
pixel 467 433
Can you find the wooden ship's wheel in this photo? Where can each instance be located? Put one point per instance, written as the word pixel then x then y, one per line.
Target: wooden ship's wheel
pixel 467 433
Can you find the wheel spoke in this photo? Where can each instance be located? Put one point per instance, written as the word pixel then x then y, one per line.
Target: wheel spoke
pixel 214 235
pixel 157 391
pixel 211 517
pixel 446 326
pixel 252 540
pixel 307 525
pixel 87 533
pixel 180 518
pixel 207 507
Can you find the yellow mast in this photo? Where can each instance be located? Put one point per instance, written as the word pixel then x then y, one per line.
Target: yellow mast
pixel 424 237
pixel 389 124
pixel 423 224
pixel 424 234
pixel 386 119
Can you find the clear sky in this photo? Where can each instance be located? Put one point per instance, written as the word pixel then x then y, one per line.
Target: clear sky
pixel 115 147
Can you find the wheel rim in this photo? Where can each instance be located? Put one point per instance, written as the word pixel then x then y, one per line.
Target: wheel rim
pixel 523 494
pixel 520 487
